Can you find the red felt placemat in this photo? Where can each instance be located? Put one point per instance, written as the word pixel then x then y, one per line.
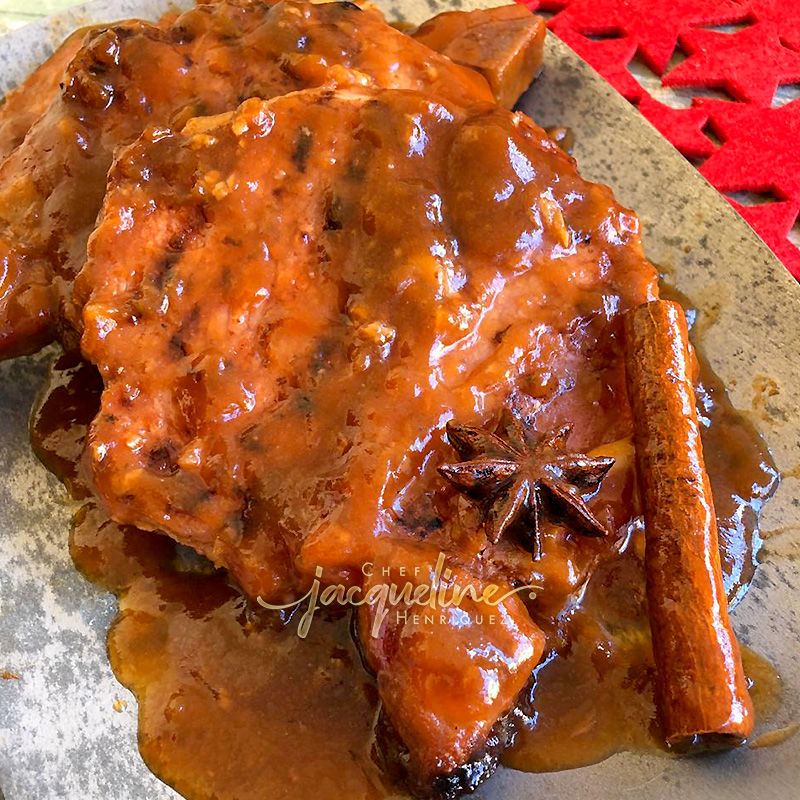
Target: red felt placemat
pixel 746 146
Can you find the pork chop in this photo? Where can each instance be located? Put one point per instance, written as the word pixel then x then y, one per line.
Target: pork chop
pixel 288 303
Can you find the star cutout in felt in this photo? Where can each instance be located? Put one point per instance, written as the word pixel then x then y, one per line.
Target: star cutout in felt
pixel 610 57
pixel 772 222
pixel 760 150
pixel 654 24
pixel 728 119
pixel 683 127
pixel 750 64
pixel 783 14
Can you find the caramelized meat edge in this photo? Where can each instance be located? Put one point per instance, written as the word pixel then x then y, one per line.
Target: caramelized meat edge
pixel 505 45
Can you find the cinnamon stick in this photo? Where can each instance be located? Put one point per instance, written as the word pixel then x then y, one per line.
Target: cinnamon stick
pixel 702 693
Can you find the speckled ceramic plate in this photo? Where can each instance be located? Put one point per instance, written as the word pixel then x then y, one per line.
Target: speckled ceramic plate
pixel 60 736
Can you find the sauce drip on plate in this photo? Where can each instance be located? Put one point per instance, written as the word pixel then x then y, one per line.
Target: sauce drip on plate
pixel 232 704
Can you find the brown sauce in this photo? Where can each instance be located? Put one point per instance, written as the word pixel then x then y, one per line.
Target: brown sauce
pixel 232 704
pixel 597 699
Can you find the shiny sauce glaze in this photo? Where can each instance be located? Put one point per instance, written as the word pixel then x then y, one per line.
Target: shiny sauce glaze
pixel 232 704
pixel 277 395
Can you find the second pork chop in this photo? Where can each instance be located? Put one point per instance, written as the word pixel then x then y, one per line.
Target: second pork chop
pixel 135 74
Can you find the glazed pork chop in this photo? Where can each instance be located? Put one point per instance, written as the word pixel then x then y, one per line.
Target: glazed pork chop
pixel 134 74
pixel 287 305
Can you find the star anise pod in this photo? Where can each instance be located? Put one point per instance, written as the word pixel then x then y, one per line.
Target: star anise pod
pixel 521 477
